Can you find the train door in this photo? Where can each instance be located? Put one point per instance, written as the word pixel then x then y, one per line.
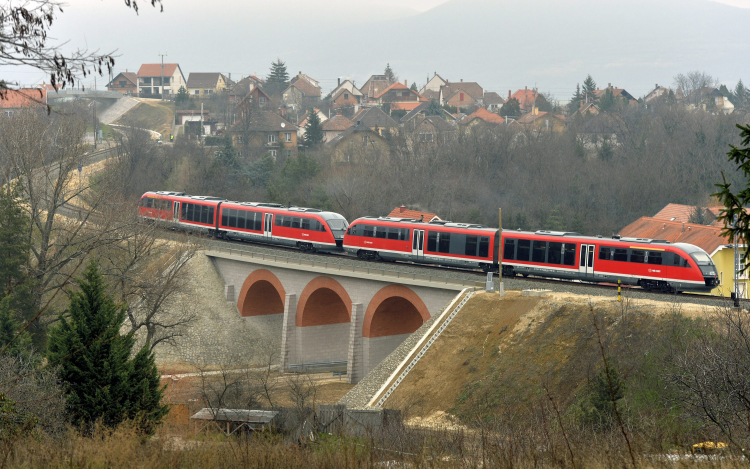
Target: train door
pixel 586 268
pixel 176 211
pixel 417 243
pixel 268 226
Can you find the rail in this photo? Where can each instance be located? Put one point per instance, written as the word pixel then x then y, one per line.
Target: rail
pixel 294 259
pixel 335 367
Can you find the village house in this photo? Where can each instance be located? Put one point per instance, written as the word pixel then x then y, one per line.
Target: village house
pixel 526 98
pixel 205 84
pixel 356 144
pixel 302 124
pixel 617 93
pixel 24 98
pixel 656 93
pixel 376 120
pixel 240 89
pixel 150 79
pixel 492 101
pixel 374 86
pixel 429 130
pixel 263 131
pixel 335 126
pixel 433 85
pixel 542 121
pixel 461 94
pixel 302 89
pixel 403 212
pixel 124 82
pixel 480 117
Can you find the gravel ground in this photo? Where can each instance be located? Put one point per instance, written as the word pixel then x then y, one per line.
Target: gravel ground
pixel 361 394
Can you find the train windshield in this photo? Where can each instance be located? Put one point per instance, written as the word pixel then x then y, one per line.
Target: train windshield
pixel 337 224
pixel 701 258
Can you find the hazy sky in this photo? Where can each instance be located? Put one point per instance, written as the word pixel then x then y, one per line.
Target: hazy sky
pixel 354 38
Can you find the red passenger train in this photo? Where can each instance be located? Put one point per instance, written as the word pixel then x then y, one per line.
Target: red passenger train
pixel 305 228
pixel 651 264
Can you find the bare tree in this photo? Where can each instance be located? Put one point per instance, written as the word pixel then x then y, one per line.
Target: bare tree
pixel 691 83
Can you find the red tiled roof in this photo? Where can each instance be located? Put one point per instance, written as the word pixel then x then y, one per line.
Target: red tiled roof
pixel 25 97
pixel 396 86
pixel 405 106
pixel 681 213
pixel 708 238
pixel 154 70
pixel 483 114
pixel 337 122
pixel 403 212
pixel 525 97
pixel 531 117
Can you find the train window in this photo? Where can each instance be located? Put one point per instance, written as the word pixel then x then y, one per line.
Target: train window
pixel 470 249
pixel 444 242
pixel 605 253
pixel 145 202
pixel 509 250
pixel 211 215
pixel 258 221
pixel 287 222
pixel 369 231
pixel 554 255
pixel 637 256
pixel 241 217
pixel 569 255
pixel 305 225
pixel 539 253
pixel 224 216
pixel 295 222
pixel 621 255
pixel 524 249
pixel 394 233
pixel 679 261
pixel 654 258
pixel 484 246
pixel 232 216
pixel 381 232
pixel 432 241
pixel 405 234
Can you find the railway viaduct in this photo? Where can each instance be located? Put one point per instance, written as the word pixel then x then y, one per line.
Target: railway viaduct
pixel 332 313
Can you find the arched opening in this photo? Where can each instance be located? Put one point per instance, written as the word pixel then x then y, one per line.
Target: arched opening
pixel 261 294
pixel 394 310
pixel 395 316
pixel 323 301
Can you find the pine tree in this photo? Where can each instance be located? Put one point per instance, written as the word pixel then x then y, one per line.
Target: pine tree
pixel 575 102
pixel 433 108
pixel 608 101
pixel 589 86
pixel 511 108
pixel 182 96
pixel 414 86
pixel 104 383
pixel 14 238
pixel 13 340
pixel 741 95
pixel 313 130
pixel 389 75
pixel 278 73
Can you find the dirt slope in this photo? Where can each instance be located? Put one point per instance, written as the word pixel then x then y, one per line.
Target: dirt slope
pixel 150 114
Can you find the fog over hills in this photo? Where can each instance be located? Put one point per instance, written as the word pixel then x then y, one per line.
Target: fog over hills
pixel 502 44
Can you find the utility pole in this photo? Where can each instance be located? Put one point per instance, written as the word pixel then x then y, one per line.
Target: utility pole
pixel 161 83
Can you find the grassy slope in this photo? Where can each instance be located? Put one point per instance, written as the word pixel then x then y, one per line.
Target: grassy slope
pixel 152 115
pixel 503 351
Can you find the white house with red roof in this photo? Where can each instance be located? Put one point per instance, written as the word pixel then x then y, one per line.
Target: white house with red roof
pixel 150 79
pixel 15 100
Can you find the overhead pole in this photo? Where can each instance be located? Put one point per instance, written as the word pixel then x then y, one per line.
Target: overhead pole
pixel 161 83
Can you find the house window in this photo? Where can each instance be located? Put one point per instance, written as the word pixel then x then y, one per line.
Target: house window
pixel 197 92
pixel 272 138
pixel 426 137
pixel 123 83
pixel 288 153
pixel 262 100
pixel 146 91
pixel 346 95
pixel 8 113
pixel 146 81
pixel 288 137
pixel 364 139
pixel 207 91
pixel 166 80
pixel 240 139
pixel 273 154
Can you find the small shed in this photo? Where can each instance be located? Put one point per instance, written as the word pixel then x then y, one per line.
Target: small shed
pixel 233 420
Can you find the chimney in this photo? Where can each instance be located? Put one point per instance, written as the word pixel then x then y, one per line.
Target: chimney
pixel 462 80
pixel 683 227
pixel 508 94
pixel 339 81
pixel 405 83
pixel 656 86
pixel 401 209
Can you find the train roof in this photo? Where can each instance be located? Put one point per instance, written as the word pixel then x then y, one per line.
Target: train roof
pixel 572 234
pixel 244 204
pixel 432 223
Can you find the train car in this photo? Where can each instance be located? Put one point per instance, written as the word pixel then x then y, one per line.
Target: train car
pixel 308 229
pixel 650 264
pixel 304 228
pixel 406 239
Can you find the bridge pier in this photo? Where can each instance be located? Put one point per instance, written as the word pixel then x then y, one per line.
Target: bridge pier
pixel 288 329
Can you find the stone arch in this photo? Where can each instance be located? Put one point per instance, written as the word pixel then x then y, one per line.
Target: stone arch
pixel 261 294
pixel 394 310
pixel 323 301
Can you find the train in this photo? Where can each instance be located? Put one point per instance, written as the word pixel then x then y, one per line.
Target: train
pixel 651 264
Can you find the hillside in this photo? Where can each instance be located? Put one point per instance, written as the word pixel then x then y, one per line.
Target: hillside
pixel 150 114
pixel 500 353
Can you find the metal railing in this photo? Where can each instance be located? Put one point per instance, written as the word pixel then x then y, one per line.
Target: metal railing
pixel 292 258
